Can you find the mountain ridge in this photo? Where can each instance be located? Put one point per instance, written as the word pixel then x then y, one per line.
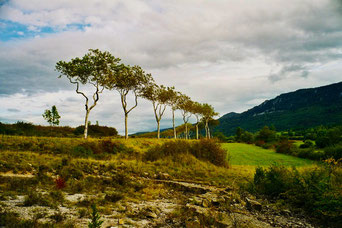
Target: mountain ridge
pixel 303 108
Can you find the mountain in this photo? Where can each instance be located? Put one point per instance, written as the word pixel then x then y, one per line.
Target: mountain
pixel 300 109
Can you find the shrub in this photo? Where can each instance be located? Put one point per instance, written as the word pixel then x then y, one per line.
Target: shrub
pixel 317 191
pixel 204 149
pixel 284 147
pixel 36 198
pixel 71 171
pixel 211 151
pixel 80 151
pixel 170 148
pixel 310 153
pixel 333 152
pixel 307 144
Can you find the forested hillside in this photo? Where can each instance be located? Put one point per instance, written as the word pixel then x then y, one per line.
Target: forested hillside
pixel 303 108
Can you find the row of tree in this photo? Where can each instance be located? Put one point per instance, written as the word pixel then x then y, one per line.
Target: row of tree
pixel 103 71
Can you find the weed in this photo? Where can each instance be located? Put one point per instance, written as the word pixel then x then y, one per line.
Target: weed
pixel 95 218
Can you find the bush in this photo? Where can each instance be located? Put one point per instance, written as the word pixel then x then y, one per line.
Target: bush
pixel 310 153
pixel 36 198
pixel 204 149
pixel 285 147
pixel 333 152
pixel 211 151
pixel 307 144
pixel 170 148
pixel 317 191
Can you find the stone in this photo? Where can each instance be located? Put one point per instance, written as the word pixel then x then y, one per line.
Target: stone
pixel 253 204
pixel 151 214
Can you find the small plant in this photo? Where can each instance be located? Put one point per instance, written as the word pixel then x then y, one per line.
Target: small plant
pixel 60 183
pixel 95 218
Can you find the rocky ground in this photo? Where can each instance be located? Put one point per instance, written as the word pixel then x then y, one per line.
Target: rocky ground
pixel 184 204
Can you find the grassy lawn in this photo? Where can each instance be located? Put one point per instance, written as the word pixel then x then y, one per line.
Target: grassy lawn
pixel 245 154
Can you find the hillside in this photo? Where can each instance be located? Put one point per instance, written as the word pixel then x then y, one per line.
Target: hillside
pixel 303 108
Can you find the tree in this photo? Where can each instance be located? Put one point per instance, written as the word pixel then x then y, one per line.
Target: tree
pixel 267 135
pixel 128 79
pixel 173 103
pixel 185 105
pixel 208 114
pixel 159 96
pixel 92 69
pixel 52 116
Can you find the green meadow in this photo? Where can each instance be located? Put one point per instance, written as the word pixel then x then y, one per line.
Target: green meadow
pixel 251 155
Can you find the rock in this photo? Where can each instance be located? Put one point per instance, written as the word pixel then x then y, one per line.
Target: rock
pixel 151 214
pixel 253 205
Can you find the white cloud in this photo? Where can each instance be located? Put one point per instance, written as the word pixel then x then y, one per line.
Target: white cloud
pixel 231 54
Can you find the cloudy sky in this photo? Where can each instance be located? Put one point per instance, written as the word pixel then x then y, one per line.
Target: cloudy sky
pixel 231 54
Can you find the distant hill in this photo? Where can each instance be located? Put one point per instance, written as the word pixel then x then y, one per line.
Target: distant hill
pixel 301 109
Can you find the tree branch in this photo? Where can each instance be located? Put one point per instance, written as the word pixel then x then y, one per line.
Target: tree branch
pixel 79 92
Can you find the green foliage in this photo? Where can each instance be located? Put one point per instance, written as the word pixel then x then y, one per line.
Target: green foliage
pixel 317 190
pixel 266 135
pixel 333 152
pixel 95 218
pixel 307 144
pixel 52 116
pixel 243 136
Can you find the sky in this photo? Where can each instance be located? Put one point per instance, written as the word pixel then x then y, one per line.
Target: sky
pixel 231 54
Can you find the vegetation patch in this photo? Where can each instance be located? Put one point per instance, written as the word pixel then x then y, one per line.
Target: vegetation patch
pixel 204 149
pixel 317 190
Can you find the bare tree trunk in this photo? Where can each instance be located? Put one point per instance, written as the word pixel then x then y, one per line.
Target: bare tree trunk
pixel 206 130
pixel 197 130
pixel 158 135
pixel 126 128
pixel 174 126
pixel 186 131
pixel 86 124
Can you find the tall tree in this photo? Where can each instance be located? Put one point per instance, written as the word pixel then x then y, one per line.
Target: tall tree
pixel 159 96
pixel 52 116
pixel 92 69
pixel 128 79
pixel 185 105
pixel 173 103
pixel 208 114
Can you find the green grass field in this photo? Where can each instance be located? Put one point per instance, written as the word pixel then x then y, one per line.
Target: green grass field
pixel 245 154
